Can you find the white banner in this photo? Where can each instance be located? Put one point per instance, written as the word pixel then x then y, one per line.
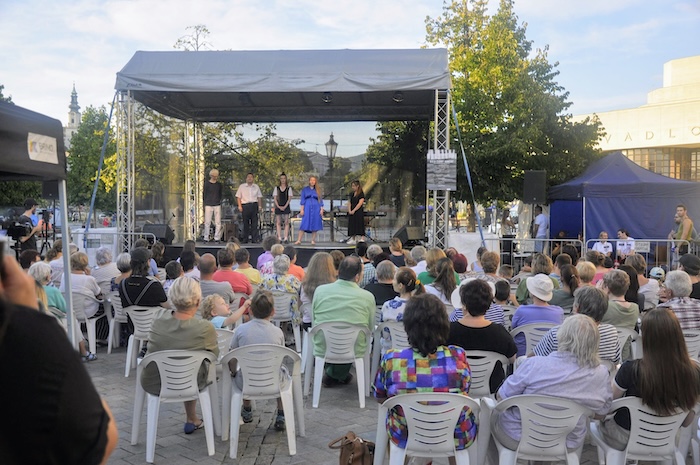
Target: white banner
pixel 42 148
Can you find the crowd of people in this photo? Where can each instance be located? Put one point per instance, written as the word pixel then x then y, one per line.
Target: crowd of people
pixel 447 307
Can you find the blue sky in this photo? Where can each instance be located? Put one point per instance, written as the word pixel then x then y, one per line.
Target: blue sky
pixel 610 52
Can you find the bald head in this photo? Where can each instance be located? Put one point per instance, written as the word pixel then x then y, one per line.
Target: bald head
pixel 207 266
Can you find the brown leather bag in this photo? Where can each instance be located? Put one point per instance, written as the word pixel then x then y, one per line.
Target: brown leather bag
pixel 353 450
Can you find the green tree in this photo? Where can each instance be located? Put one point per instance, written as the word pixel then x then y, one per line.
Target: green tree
pixel 86 146
pixel 13 193
pixel 512 113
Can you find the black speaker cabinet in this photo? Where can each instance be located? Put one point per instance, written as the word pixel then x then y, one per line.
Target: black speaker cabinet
pixel 410 234
pixel 163 232
pixel 535 189
pixel 49 190
pixel 229 231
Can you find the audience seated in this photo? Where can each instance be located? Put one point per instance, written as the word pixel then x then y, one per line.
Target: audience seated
pixel 188 260
pixel 215 309
pixel 225 273
pixel 106 270
pixel 474 332
pixel 320 271
pixel 267 256
pixel 598 260
pixel 564 296
pixel 432 256
pixel 665 378
pixel 138 288
pixel 586 272
pixel 620 313
pixel 561 260
pixel 677 289
pixel 383 289
pixel 691 264
pixel 445 281
pixel 179 330
pixel 369 274
pixel 406 286
pixel 342 301
pixel 152 265
pixel 591 302
pixel 418 254
pixel 540 288
pixel 28 257
pixel 541 264
pixel 173 270
pixel 648 287
pixel 572 372
pixel 396 252
pixel 294 269
pixel 259 330
pixel 242 257
pixel 413 369
pixel 266 268
pixel 476 264
pixel 281 280
pixel 207 268
pixel 633 294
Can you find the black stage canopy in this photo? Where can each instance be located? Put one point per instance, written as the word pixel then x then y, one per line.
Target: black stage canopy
pixel 289 85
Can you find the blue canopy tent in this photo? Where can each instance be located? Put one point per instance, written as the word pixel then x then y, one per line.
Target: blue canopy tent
pixel 615 193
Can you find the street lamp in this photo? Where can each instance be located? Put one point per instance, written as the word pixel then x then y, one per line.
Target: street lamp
pixel 331 148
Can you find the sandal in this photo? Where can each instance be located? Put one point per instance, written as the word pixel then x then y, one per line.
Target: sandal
pixel 191 427
pixel 89 357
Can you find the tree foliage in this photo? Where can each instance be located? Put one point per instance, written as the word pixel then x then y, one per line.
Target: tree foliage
pixel 512 113
pixel 83 160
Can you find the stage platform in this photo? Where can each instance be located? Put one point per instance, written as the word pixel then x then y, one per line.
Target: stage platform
pixel 305 250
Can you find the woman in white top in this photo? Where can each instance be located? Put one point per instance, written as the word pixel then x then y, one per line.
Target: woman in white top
pixel 83 283
pixel 407 285
pixel 648 287
pixel 445 282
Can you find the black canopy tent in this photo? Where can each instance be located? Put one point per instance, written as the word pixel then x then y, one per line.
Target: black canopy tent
pixel 32 149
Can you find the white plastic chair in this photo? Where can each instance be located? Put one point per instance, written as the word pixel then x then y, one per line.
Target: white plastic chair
pixel 283 313
pixel 340 339
pixel 378 315
pixel 399 340
pixel 482 364
pixel 431 418
pixel 692 341
pixel 142 318
pixel 545 423
pixel 223 339
pixel 625 334
pixel 178 371
pixel 508 312
pixel 260 365
pixel 80 300
pixel 116 322
pixel 652 437
pixel 533 333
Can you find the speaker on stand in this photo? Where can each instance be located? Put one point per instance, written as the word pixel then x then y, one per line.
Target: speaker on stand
pixel 535 187
pixel 163 232
pixel 410 235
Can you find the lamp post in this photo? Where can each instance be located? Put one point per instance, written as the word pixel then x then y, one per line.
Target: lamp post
pixel 331 148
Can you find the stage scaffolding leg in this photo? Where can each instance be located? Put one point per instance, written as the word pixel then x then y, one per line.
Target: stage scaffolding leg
pixel 194 179
pixel 439 219
pixel 125 169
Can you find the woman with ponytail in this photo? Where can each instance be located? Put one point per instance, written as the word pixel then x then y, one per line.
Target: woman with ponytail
pixel 407 285
pixel 570 281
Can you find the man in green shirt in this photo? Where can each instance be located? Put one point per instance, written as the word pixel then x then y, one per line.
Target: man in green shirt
pixel 343 301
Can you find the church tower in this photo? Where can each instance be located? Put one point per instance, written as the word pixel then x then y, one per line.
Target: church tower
pixel 74 118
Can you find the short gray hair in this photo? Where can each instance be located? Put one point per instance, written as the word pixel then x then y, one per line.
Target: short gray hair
pixel 280 264
pixel 372 251
pixel 418 253
pixel 386 270
pixel 103 256
pixel 678 282
pixel 579 336
pixel 590 301
pixel 41 272
pixel 124 262
pixel 185 293
pixel 277 250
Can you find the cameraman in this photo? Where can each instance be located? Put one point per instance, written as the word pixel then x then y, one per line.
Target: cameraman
pixel 28 242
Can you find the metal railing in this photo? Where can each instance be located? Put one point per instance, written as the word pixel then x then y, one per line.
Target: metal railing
pixel 656 252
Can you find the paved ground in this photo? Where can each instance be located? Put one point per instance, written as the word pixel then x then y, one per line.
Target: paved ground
pixel 259 443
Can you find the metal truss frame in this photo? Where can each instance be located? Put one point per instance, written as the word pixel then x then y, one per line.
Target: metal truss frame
pixel 439 218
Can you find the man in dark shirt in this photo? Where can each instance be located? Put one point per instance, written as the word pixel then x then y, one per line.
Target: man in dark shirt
pixel 213 192
pixel 691 264
pixel 29 242
pixel 383 289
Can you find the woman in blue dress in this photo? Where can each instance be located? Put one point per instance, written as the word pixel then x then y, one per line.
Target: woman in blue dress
pixel 311 210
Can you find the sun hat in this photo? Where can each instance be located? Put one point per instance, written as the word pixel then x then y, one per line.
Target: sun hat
pixel 540 286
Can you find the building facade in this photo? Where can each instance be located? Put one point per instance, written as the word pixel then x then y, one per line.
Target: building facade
pixel 664 134
pixel 74 118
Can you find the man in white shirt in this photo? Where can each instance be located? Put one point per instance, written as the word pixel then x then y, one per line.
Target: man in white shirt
pixel 625 245
pixel 249 198
pixel 540 228
pixel 603 246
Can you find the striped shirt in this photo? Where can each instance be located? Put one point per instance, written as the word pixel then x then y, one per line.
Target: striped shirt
pixel 686 309
pixel 494 314
pixel 609 348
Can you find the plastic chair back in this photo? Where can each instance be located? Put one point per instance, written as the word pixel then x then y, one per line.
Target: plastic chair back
pixel 625 334
pixel 692 341
pixel 260 365
pixel 223 340
pixel 178 371
pixel 533 333
pixel 340 340
pixel 142 318
pixel 119 313
pixel 431 418
pixel 283 305
pixel 378 315
pixel 545 421
pixel 399 338
pixel 482 364
pixel 508 312
pixel 80 300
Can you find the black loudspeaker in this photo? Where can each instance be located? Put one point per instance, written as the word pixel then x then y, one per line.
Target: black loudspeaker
pixel 49 190
pixel 535 189
pixel 162 232
pixel 410 234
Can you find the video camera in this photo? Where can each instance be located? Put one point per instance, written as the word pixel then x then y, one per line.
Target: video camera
pixel 16 230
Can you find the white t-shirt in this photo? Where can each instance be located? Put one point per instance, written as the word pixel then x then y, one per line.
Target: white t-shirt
pixel 625 246
pixel 603 247
pixel 543 222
